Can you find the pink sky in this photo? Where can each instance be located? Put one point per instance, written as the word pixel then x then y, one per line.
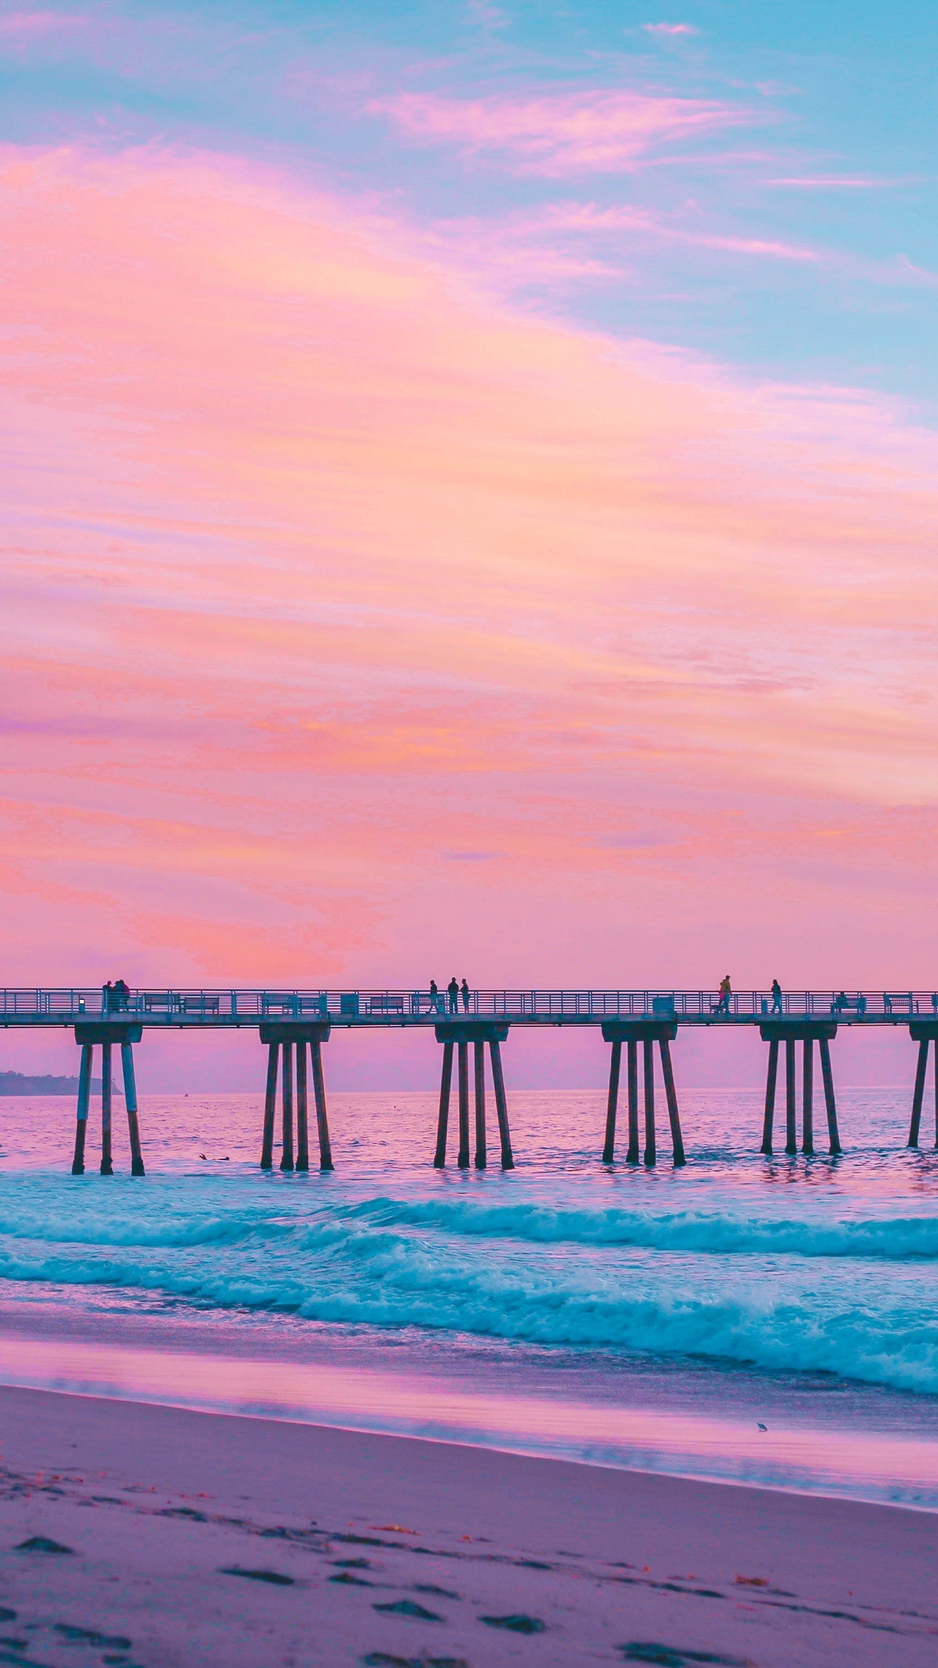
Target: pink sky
pixel 361 626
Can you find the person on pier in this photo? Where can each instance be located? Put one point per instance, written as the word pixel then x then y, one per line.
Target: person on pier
pixel 452 990
pixel 722 1005
pixel 776 997
pixel 434 997
pixel 466 995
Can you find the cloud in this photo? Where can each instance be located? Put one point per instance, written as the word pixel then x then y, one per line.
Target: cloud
pixel 326 576
pixel 559 133
pixel 23 26
pixel 670 29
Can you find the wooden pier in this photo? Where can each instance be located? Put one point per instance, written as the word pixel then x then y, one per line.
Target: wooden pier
pixel 294 1025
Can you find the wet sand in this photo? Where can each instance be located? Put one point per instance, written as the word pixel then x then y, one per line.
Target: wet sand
pixel 156 1536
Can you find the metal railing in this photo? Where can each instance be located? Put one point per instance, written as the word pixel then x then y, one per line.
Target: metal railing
pixel 181 1007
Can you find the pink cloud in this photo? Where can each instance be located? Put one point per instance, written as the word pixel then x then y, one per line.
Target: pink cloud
pixel 670 29
pixel 321 568
pixel 563 133
pixel 29 25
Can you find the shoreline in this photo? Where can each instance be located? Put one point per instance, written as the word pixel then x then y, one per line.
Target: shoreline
pixel 206 1538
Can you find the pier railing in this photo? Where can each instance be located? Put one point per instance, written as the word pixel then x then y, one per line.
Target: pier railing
pixel 228 1008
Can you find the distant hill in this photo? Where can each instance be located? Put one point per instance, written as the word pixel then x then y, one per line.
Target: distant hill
pixel 15 1083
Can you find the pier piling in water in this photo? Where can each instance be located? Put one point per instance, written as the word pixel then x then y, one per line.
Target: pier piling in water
pixel 478 1072
pixel 302 1109
pixel 286 1099
pixel 105 1035
pixel 458 1034
pixel 807 1033
pixel 286 1040
pixel 924 1034
pixel 270 1106
pixel 648 1033
pixel 84 1097
pixel 130 1102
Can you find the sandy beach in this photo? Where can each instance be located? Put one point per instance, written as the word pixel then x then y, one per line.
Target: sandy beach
pixel 156 1536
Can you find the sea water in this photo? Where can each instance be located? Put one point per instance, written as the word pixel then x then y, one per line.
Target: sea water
pixel 760 1320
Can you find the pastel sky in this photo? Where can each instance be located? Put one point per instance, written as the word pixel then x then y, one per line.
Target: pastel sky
pixel 468 492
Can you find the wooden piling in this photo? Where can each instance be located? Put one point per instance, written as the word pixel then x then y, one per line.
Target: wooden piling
pixel 807 1097
pixel 791 1125
pixel 442 1124
pixel 286 1101
pixel 771 1079
pixel 107 1168
pixel 651 1152
pixel 322 1118
pixel 674 1118
pixel 918 1093
pixel 270 1107
pixel 632 1155
pixel 84 1097
pixel 833 1133
pixel 478 1050
pixel 501 1105
pixel 302 1108
pixel 615 1064
pixel 130 1102
pixel 462 1055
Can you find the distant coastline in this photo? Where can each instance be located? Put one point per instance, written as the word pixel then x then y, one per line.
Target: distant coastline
pixel 16 1083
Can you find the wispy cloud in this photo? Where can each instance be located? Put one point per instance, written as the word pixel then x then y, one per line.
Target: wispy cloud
pixel 558 133
pixel 670 29
pixel 32 25
pixel 835 182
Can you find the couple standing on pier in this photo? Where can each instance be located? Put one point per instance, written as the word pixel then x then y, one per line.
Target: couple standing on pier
pixel 453 991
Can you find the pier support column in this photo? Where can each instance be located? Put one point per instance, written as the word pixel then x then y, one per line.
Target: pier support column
pixel 130 1102
pixel 286 1094
pixel 648 1032
pixel 456 1035
pixel 632 1155
pixel 771 1079
pixel 442 1123
pixel 674 1119
pixel 462 1068
pixel 806 1032
pixel 84 1097
pixel 833 1134
pixel 648 1060
pixel 807 1097
pixel 270 1107
pixel 501 1102
pixel 107 1166
pixel 923 1033
pixel 478 1049
pixel 612 1102
pixel 302 1108
pixel 282 1038
pixel 322 1120
pixel 107 1033
pixel 791 1112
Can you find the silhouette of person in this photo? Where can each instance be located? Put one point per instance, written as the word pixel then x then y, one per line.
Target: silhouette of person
pixel 434 997
pixel 107 995
pixel 726 991
pixel 776 997
pixel 452 991
pixel 465 992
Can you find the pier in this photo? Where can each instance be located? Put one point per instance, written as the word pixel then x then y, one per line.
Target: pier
pixel 295 1024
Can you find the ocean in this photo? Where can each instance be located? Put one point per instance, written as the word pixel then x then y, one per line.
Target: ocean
pixel 762 1321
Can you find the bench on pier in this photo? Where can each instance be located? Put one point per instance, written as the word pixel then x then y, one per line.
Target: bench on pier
pixel 849 1005
pixel 385 1004
pixel 200 1004
pixel 295 1005
pixel 161 1002
pixel 899 1002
